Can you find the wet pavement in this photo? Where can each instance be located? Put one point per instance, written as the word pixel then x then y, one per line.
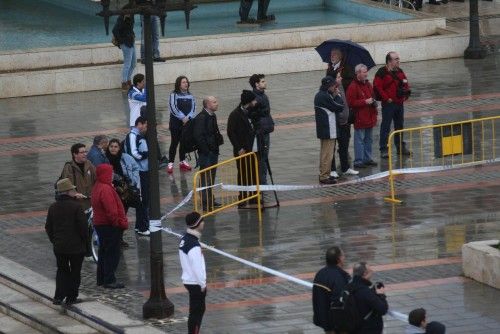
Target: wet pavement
pixel 415 247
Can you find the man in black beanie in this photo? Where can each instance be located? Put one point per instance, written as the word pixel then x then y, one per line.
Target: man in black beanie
pixel 241 133
pixel 194 274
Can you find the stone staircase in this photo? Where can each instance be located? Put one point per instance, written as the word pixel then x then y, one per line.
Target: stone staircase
pixel 26 307
pixel 25 310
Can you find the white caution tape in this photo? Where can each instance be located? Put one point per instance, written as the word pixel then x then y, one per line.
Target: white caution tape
pixel 394 314
pixel 377 176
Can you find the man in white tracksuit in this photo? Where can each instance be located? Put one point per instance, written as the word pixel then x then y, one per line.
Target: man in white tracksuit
pixel 194 275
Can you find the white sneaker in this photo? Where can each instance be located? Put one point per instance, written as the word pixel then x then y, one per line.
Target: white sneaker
pixel 351 171
pixel 334 174
pixel 143 233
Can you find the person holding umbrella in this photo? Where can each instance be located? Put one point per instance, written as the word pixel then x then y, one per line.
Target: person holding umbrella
pixel 337 64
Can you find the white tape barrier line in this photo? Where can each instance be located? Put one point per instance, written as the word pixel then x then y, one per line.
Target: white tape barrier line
pixel 416 170
pixel 394 314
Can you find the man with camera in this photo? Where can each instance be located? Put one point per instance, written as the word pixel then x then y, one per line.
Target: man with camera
pixel 370 299
pixel 391 86
pixel 360 99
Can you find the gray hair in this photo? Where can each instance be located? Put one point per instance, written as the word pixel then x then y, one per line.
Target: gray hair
pixel 207 99
pixel 359 67
pixel 359 269
pixel 100 138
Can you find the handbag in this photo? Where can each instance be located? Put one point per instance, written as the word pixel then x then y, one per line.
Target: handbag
pixel 352 116
pixel 129 194
pixel 266 124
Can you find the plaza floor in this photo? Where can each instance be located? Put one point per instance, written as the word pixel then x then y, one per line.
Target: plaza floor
pixel 414 247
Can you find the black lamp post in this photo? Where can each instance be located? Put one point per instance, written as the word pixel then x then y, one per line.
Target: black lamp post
pixel 158 305
pixel 475 50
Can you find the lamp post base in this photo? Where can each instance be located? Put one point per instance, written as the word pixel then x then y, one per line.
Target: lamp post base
pixel 157 308
pixel 475 53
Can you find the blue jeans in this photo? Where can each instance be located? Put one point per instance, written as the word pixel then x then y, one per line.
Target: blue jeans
pixel 391 112
pixel 206 160
pixel 155 23
pixel 129 61
pixel 362 145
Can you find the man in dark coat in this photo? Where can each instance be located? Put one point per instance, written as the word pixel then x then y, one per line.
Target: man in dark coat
pixel 327 103
pixel 208 139
pixel 370 300
pixel 328 285
pixel 241 133
pixel 260 114
pixel 66 227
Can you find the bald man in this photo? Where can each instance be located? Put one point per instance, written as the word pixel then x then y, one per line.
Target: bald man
pixel 208 139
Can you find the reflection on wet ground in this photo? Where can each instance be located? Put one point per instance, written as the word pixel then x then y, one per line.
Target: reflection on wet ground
pixel 415 247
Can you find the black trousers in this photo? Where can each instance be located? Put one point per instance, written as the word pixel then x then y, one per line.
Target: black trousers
pixel 247 176
pixel 109 253
pixel 69 267
pixel 343 137
pixel 142 212
pixel 175 135
pixel 196 307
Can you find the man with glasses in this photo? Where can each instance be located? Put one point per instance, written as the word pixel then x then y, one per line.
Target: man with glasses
pixel 81 173
pixel 392 89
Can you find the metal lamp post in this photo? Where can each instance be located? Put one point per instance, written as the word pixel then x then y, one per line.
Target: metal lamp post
pixel 158 305
pixel 475 50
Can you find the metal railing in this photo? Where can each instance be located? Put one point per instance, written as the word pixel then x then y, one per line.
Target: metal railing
pixel 440 146
pixel 211 197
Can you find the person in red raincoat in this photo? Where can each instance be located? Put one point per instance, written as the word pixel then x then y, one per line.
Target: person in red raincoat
pixel 109 221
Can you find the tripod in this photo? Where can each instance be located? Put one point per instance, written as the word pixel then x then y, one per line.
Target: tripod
pixel 262 147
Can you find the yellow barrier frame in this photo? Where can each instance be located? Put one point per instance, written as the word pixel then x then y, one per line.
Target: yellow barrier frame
pixel 257 194
pixel 390 145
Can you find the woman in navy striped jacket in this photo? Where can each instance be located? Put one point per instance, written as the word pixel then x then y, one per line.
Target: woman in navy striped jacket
pixel 182 109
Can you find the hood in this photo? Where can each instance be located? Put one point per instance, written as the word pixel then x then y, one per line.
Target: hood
pixel 435 327
pixel 104 173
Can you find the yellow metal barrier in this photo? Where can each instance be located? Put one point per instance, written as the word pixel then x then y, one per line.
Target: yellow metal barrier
pixel 449 144
pixel 209 197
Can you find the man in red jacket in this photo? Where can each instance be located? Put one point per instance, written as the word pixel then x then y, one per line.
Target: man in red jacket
pixel 360 99
pixel 109 221
pixel 391 84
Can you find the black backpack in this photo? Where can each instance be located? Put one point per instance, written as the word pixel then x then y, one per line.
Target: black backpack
pixel 187 142
pixel 344 311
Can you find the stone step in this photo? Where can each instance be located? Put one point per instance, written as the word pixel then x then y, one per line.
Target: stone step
pixel 38 315
pixel 90 316
pixel 447 44
pixel 11 326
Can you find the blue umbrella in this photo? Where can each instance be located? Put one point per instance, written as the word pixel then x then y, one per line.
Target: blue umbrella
pixel 354 53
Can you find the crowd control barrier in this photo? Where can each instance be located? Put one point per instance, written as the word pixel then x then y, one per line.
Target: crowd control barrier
pixel 441 146
pixel 210 197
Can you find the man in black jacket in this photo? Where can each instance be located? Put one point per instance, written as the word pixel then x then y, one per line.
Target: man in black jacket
pixel 328 285
pixel 263 122
pixel 370 300
pixel 208 139
pixel 66 227
pixel 241 133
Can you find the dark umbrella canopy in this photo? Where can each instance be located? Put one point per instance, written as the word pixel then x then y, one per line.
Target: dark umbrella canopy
pixel 353 53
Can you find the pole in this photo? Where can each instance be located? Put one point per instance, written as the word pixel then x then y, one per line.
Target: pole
pixel 474 50
pixel 158 305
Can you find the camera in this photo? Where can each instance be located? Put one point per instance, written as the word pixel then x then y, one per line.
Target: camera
pixel 402 91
